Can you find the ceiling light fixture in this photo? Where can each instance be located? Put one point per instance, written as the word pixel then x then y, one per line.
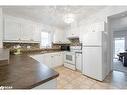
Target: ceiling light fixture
pixel 69 18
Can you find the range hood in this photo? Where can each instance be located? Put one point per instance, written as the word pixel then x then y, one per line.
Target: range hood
pixel 74 37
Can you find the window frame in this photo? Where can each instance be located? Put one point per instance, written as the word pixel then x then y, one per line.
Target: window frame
pixel 49 40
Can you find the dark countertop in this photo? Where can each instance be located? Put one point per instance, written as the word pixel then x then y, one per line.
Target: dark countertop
pixel 23 72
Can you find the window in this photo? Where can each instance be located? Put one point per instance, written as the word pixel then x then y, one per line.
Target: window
pixel 45 39
pixel 119 45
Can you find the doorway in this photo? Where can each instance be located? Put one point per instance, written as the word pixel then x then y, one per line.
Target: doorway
pixel 119 47
pixel 118 31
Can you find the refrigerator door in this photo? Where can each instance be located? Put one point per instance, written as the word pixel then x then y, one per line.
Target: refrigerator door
pixel 93 38
pixel 92 62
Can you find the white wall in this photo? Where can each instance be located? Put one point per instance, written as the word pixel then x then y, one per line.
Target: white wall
pixel 1 28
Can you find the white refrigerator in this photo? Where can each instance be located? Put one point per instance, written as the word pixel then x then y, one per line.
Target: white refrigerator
pixel 95 53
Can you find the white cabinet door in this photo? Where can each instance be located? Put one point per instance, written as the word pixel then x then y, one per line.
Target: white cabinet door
pixel 69 33
pixel 43 58
pixel 52 84
pixel 21 29
pixel 37 33
pixel 39 58
pixel 52 60
pixel 74 32
pixel 1 28
pixel 11 30
pixel 60 59
pixel 58 37
pixel 48 60
pixel 27 31
pixel 79 61
pixel 57 59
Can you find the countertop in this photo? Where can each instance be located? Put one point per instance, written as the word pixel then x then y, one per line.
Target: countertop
pixel 23 72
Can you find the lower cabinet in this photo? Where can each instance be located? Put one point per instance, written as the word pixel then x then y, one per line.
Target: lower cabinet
pixel 52 60
pixel 52 84
pixel 47 60
pixel 58 59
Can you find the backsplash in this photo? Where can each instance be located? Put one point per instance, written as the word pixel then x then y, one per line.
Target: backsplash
pixel 75 41
pixel 23 45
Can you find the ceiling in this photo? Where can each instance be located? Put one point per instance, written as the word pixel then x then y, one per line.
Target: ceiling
pixel 52 15
pixel 119 22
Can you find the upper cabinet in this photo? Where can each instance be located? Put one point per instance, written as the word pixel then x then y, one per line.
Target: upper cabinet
pixel 11 29
pixel 27 31
pixel 37 32
pixel 58 36
pixel 17 29
pixel 73 32
pixel 1 28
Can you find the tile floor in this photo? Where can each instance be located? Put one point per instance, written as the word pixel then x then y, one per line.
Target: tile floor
pixel 69 79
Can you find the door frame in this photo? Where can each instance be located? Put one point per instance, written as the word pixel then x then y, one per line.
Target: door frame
pixel 110 40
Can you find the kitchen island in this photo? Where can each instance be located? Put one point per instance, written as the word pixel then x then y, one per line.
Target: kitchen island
pixel 23 72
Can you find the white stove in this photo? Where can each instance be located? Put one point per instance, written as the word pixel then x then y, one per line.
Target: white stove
pixel 70 57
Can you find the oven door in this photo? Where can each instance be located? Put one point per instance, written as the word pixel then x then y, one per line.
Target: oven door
pixel 69 57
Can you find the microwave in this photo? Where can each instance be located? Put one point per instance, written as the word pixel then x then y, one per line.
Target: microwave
pixel 65 48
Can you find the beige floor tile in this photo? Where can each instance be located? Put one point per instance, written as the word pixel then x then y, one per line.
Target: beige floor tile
pixel 69 79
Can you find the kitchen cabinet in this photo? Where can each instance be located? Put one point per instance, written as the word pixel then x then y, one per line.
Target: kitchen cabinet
pixel 27 31
pixel 4 56
pixel 1 28
pixel 79 61
pixel 52 84
pixel 38 57
pixel 58 59
pixel 43 58
pixel 55 59
pixel 52 60
pixel 18 29
pixel 47 59
pixel 11 29
pixel 58 36
pixel 73 32
pixel 37 33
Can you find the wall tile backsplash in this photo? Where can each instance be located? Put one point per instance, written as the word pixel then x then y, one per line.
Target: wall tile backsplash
pixel 75 41
pixel 23 45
